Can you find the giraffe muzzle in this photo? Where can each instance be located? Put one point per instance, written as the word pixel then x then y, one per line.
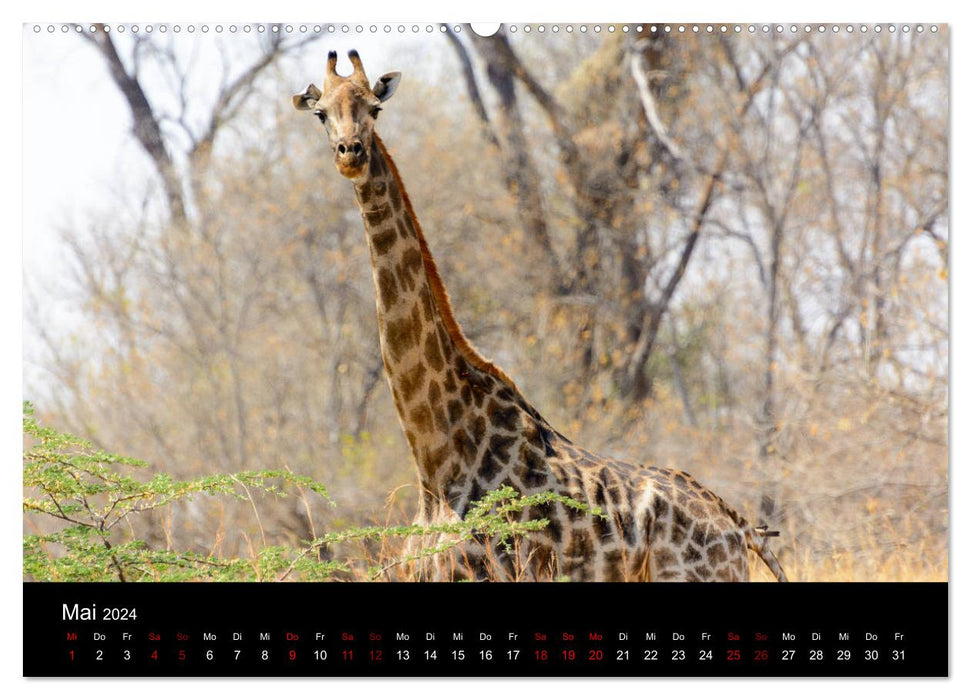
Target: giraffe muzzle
pixel 350 157
pixel 350 148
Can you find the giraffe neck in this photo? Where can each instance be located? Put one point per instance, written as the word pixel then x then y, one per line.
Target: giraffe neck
pixel 438 381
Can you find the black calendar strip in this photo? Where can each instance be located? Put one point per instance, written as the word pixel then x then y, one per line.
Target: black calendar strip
pixel 336 629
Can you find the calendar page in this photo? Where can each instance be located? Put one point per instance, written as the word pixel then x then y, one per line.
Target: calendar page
pixel 418 349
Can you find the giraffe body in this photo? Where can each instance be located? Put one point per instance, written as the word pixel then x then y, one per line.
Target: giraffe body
pixel 471 431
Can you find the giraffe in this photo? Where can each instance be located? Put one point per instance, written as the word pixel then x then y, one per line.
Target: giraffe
pixel 470 429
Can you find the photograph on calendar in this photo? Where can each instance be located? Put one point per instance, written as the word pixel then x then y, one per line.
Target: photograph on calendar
pixel 539 303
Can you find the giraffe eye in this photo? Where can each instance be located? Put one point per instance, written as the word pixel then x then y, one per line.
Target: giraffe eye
pixel 321 115
pixel 374 112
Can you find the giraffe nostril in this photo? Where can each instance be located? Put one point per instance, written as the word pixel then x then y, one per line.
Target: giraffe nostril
pixel 342 149
pixel 358 148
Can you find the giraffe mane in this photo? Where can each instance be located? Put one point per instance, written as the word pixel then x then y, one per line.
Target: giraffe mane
pixel 439 293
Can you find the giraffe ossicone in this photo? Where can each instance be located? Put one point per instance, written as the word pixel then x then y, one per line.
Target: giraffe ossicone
pixel 470 429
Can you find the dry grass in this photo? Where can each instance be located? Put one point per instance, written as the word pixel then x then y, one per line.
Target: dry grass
pixel 925 562
pixel 862 490
pixel 860 479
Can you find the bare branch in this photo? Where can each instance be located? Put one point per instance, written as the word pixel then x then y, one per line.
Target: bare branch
pixel 232 95
pixel 648 338
pixel 146 126
pixel 639 72
pixel 471 86
pixel 502 56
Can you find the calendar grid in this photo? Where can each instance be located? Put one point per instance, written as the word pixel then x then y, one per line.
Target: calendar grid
pixel 507 630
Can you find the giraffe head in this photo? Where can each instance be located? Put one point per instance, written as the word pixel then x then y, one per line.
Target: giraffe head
pixel 348 107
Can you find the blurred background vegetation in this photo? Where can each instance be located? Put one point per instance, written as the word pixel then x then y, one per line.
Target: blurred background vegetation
pixel 725 253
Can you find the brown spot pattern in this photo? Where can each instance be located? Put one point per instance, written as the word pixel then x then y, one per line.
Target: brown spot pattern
pixel 470 429
pixel 384 241
pixel 433 353
pixel 421 418
pixel 387 288
pixel 377 216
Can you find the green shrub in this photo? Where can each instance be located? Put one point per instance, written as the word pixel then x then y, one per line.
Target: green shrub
pixel 91 496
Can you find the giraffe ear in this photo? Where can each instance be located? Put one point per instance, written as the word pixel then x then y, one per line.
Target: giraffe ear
pixel 386 85
pixel 307 99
